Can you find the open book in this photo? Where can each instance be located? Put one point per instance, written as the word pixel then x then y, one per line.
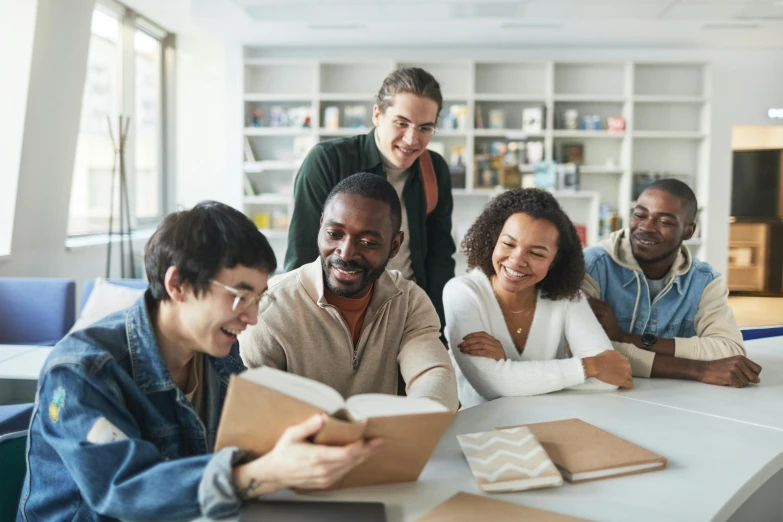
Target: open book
pixel 508 460
pixel 261 403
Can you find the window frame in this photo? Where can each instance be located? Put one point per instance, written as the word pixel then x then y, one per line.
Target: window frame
pixel 130 21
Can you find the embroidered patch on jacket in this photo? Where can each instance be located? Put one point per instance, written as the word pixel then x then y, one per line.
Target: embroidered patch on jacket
pixel 57 403
pixel 103 431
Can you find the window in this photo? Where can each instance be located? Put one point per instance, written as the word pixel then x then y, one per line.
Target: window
pixel 126 74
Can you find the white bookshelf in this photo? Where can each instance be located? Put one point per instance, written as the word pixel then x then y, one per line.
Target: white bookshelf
pixel 666 107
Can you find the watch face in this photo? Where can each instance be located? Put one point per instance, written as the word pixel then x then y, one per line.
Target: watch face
pixel 649 339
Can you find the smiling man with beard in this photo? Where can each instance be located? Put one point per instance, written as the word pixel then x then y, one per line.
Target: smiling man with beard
pixel 664 309
pixel 344 319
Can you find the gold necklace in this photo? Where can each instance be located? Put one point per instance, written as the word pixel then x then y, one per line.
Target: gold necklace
pixel 504 309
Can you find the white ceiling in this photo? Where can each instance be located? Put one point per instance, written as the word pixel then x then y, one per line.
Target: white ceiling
pixel 685 23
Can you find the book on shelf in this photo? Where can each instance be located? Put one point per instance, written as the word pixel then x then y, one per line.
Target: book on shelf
pixel 249 154
pixel 263 402
pixel 466 507
pixel 508 460
pixel 533 119
pixel 356 116
pixel 583 452
pixel 331 117
pixel 497 119
pixel 479 117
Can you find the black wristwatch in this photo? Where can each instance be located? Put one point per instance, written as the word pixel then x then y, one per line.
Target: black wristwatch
pixel 648 340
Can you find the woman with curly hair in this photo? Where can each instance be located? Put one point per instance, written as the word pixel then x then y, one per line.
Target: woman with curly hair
pixel 512 319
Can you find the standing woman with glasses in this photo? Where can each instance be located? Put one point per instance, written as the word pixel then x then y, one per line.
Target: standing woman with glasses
pixel 405 116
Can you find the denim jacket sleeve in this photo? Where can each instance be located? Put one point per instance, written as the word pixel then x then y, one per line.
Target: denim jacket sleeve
pixel 119 473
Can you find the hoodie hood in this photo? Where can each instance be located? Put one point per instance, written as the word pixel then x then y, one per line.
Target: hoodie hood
pixel 618 245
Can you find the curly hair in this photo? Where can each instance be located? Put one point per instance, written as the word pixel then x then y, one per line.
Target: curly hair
pixel 568 269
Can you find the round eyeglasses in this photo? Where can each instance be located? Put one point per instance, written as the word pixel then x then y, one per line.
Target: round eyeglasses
pixel 244 298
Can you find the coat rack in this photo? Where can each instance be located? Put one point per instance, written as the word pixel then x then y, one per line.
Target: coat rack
pixel 125 231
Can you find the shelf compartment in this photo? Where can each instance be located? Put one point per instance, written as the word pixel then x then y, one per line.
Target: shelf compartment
pixel 511 78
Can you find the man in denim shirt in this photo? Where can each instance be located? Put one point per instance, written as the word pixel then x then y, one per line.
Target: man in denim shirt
pixel 666 311
pixel 127 410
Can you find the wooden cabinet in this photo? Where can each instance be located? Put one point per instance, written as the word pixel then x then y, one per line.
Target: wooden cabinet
pixel 748 255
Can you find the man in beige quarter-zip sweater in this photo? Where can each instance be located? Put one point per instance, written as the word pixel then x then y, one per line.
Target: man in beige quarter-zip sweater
pixel 344 319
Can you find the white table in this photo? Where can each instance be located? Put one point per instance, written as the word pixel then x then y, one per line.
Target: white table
pixel 714 464
pixel 723 444
pixel 760 404
pixel 23 362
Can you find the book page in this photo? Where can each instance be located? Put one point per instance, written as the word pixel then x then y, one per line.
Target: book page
pixel 369 405
pixel 301 388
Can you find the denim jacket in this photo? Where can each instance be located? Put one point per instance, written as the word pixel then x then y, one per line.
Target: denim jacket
pixel 692 308
pixel 112 437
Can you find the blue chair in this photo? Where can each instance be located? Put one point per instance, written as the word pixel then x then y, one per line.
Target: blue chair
pixel 15 417
pixel 37 311
pixel 129 283
pixel 761 332
pixel 13 462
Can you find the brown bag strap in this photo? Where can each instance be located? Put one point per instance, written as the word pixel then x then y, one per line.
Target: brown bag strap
pixel 429 181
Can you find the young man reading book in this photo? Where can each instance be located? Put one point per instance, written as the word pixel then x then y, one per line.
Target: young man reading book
pixel 344 319
pixel 127 409
pixel 667 311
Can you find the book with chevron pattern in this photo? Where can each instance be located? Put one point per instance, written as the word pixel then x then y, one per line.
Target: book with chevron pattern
pixel 508 460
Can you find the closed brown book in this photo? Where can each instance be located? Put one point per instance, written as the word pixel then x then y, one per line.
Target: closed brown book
pixel 583 452
pixel 464 507
pixel 261 403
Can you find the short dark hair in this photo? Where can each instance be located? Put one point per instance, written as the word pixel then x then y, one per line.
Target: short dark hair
pixel 413 80
pixel 202 241
pixel 679 189
pixel 371 186
pixel 568 269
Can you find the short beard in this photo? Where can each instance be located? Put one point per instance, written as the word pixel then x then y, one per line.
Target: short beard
pixel 371 277
pixel 655 259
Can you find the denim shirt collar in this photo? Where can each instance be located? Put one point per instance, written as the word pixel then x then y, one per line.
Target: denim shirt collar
pixel 148 367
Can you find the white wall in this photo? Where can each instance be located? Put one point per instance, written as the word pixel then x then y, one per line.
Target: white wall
pixel 17 27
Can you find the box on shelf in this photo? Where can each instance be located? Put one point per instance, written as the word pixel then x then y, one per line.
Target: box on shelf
pixel 489 171
pixel 331 117
pixel 572 153
pixel 615 124
pixel 356 116
pixel 568 177
pixel 533 119
pixel 497 119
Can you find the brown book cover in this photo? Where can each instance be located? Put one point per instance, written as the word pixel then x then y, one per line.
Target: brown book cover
pixel 464 507
pixel 583 452
pixel 255 416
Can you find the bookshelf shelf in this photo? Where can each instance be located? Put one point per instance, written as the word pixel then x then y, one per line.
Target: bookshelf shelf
pixel 686 135
pixel 278 97
pixel 642 98
pixel 346 96
pixel 277 131
pixel 587 134
pixel 588 98
pixel 665 106
pixel 345 131
pixel 511 134
pixel 268 199
pixel 490 97
pixel 261 166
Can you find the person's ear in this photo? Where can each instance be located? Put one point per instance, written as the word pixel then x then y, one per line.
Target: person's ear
pixel 396 244
pixel 689 231
pixel 175 288
pixel 376 115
